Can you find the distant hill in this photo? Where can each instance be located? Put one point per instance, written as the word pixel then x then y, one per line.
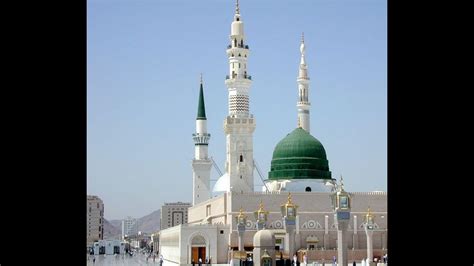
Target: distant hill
pixel 148 224
pixel 111 231
pixel 116 223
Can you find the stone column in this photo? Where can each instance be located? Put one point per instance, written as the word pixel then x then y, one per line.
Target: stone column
pixel 370 252
pixel 290 236
pixel 326 232
pixel 342 242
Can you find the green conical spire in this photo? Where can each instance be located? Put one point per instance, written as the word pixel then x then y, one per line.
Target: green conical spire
pixel 201 108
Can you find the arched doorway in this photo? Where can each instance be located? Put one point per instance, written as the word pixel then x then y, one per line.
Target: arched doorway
pixel 198 248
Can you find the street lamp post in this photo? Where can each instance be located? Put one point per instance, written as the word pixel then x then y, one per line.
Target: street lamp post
pixel 369 229
pixel 288 212
pixel 241 222
pixel 341 201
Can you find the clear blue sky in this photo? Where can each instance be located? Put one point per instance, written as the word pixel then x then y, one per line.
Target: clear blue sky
pixel 143 63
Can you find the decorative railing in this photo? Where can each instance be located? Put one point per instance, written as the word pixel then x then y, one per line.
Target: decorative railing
pixel 238 46
pixel 239 75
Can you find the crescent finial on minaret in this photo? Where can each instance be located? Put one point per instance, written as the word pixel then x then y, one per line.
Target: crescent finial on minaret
pixel 237 11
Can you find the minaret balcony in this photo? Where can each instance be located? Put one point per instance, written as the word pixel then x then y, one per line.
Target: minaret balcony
pixel 238 46
pixel 201 138
pixel 239 76
pixel 238 53
pixel 303 103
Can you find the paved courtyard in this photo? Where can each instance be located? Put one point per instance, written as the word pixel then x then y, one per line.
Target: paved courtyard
pixel 140 259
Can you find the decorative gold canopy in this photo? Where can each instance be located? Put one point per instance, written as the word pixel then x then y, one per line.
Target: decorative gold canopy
pixel 261 211
pixel 289 209
pixel 241 216
pixel 369 217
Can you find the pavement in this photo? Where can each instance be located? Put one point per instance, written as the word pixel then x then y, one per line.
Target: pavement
pixel 140 259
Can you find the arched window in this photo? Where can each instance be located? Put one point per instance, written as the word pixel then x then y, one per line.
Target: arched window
pixel 308 189
pixel 241 43
pixel 241 158
pixel 235 42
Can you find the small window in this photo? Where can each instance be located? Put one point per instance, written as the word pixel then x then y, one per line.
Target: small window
pixel 308 189
pixel 240 177
pixel 241 158
pixel 222 232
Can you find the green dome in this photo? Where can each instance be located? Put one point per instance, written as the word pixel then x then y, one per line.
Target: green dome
pixel 299 156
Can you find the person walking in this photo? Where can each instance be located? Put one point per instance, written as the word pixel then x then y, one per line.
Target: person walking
pixel 354 263
pixel 199 261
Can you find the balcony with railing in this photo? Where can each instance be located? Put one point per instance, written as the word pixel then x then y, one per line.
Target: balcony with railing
pixel 245 76
pixel 201 138
pixel 238 46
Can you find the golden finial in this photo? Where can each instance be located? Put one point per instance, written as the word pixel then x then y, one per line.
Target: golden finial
pixel 260 208
pixel 201 78
pixel 237 7
pixel 302 37
pixel 299 122
pixel 289 198
pixel 241 213
pixel 342 182
pixel 368 216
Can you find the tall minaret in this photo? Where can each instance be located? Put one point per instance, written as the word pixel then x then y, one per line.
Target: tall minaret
pixel 239 124
pixel 201 163
pixel 303 103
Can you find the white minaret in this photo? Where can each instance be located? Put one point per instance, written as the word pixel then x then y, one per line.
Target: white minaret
pixel 201 163
pixel 239 124
pixel 303 103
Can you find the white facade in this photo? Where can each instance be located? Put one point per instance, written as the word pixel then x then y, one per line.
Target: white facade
pixel 95 219
pixel 109 247
pixel 239 125
pixel 173 214
pixel 316 230
pixel 129 227
pixel 299 185
pixel 303 103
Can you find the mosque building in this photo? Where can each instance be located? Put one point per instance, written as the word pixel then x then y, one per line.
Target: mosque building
pixel 299 166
